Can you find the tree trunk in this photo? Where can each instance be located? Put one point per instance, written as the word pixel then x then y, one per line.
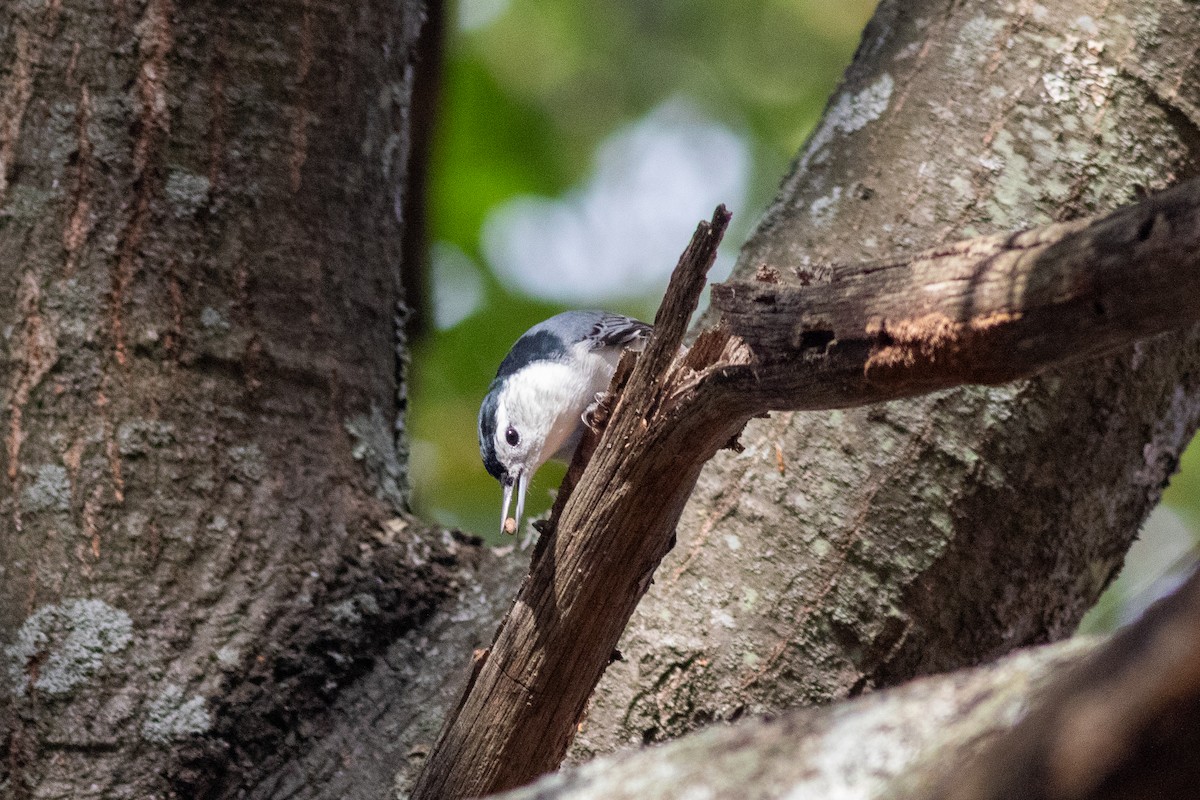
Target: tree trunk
pixel 199 236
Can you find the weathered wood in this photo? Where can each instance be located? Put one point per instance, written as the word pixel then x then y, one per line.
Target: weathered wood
pixel 986 310
pixel 523 703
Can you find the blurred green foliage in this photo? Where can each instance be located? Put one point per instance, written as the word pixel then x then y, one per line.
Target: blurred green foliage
pixel 1183 494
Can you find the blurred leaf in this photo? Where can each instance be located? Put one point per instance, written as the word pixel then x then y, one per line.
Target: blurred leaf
pixel 1183 493
pixel 490 147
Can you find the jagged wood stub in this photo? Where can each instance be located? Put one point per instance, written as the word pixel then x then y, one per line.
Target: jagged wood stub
pixel 525 699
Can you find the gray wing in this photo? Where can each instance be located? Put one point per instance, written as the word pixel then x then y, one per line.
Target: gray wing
pixel 615 330
pixel 549 340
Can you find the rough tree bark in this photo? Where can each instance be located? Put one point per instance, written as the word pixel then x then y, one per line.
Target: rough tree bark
pixel 879 745
pixel 198 290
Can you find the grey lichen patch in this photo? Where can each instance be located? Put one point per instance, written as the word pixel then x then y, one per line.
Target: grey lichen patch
pixel 851 113
pixel 169 717
pixel 975 40
pixel 50 490
pixel 855 112
pixel 136 437
pixel 214 320
pixel 368 603
pixel 26 202
pixel 228 657
pixel 941 522
pixel 352 611
pixel 60 645
pixel 1015 191
pixel 1081 77
pixel 374 446
pixel 186 191
pixel 248 463
pixel 823 207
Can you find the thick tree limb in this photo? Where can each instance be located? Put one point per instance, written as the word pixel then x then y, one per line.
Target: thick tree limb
pixel 1126 724
pixel 866 748
pixel 1071 720
pixel 986 310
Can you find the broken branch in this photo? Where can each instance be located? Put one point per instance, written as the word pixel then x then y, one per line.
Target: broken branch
pixel 985 310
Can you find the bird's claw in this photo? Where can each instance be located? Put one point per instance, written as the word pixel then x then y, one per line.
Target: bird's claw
pixel 589 414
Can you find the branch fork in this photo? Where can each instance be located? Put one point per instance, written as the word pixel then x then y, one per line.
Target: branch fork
pixel 987 310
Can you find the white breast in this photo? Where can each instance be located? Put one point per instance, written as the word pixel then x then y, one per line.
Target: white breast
pixel 553 396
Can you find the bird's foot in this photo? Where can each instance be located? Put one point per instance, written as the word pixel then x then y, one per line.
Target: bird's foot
pixel 591 416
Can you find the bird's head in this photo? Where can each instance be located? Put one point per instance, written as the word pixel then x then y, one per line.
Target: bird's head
pixel 512 436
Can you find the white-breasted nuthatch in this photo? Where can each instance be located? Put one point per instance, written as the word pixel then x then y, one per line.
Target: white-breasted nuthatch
pixel 534 409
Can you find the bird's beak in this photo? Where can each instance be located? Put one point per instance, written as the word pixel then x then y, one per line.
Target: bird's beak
pixel 521 483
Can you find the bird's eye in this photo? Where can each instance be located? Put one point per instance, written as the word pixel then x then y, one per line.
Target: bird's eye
pixel 511 436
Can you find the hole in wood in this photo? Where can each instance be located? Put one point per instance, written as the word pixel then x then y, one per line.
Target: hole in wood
pixel 1146 228
pixel 815 339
